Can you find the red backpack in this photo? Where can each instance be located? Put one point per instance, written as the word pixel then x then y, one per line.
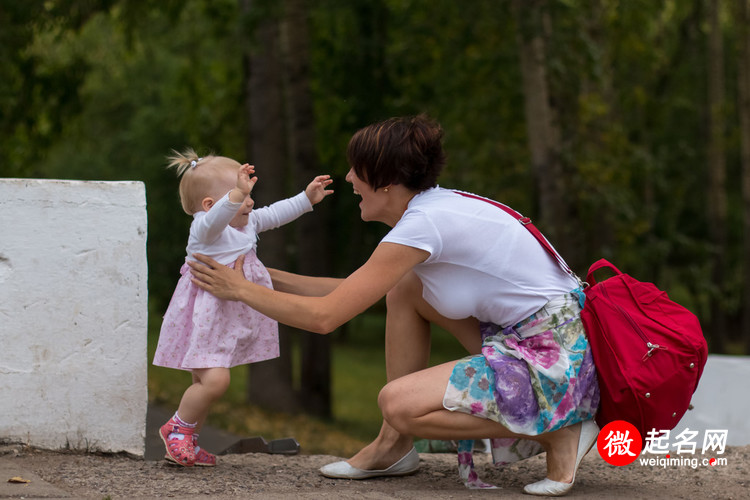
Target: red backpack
pixel 649 351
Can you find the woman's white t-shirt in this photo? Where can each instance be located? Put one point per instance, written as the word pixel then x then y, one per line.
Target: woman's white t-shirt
pixel 483 263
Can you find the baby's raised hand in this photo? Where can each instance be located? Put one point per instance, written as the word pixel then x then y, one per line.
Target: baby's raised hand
pixel 316 190
pixel 244 182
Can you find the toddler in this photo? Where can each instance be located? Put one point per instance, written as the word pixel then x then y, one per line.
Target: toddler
pixel 200 333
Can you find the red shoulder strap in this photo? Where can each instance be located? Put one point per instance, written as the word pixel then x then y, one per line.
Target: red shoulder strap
pixel 526 222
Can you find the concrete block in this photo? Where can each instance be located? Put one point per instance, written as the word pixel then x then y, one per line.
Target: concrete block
pixel 73 314
pixel 721 400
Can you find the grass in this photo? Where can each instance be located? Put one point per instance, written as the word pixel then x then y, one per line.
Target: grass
pixel 358 373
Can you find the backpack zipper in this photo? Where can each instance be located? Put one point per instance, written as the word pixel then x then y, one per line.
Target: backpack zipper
pixel 651 347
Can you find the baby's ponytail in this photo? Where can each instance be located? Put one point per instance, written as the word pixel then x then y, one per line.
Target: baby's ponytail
pixel 193 183
pixel 182 161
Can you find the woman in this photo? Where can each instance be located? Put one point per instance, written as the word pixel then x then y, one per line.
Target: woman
pixel 463 264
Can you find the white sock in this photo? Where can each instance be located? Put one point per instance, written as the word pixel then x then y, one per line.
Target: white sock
pixel 179 435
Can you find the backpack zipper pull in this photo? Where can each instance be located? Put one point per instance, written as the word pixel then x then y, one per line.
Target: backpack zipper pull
pixel 651 348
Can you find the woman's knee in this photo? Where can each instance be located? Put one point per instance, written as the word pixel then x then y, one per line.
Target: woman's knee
pixel 394 407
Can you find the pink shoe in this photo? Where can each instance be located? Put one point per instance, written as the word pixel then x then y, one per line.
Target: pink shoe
pixel 202 457
pixel 179 451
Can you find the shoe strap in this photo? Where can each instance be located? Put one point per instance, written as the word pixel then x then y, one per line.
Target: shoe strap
pixel 180 429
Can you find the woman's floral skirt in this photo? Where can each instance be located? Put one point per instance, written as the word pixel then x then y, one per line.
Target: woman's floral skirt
pixel 534 377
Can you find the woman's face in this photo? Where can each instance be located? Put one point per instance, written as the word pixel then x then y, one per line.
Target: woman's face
pixel 373 206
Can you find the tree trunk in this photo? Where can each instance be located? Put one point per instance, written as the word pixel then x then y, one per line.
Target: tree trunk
pixel 313 256
pixel 717 201
pixel 742 20
pixel 542 126
pixel 270 384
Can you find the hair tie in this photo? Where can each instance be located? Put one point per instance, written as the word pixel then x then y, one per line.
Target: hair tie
pixel 194 163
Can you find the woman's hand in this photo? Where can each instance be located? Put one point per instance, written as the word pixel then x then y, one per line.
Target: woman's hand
pixel 217 279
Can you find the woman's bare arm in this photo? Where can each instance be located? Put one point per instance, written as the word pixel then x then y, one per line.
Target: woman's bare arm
pixel 387 265
pixel 299 284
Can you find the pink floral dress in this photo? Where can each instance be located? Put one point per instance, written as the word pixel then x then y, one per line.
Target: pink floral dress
pixel 201 331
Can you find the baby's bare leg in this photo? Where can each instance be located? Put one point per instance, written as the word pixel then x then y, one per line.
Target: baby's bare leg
pixel 209 384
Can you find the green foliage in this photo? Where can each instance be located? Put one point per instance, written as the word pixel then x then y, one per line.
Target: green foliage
pixel 105 89
pixel 138 95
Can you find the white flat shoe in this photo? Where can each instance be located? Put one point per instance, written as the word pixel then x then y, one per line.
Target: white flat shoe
pixel 549 488
pixel 408 464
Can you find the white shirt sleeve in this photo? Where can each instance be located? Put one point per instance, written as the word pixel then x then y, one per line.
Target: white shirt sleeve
pixel 415 229
pixel 209 226
pixel 280 213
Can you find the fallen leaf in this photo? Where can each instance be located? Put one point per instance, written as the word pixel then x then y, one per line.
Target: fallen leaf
pixel 18 480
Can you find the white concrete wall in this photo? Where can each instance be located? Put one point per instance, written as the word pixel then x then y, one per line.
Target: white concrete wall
pixel 721 400
pixel 73 314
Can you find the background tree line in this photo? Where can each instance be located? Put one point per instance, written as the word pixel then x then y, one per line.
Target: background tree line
pixel 623 128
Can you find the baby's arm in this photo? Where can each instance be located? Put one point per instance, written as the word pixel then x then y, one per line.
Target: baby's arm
pixel 279 213
pixel 209 227
pixel 285 211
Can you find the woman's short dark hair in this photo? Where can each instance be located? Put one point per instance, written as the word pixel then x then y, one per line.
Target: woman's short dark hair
pixel 406 151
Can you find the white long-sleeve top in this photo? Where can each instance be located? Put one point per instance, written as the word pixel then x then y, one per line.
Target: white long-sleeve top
pixel 211 234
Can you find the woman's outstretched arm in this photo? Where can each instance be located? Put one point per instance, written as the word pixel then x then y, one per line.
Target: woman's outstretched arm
pixel 299 284
pixel 387 265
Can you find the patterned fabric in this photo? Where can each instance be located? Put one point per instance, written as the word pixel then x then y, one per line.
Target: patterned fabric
pixel 534 377
pixel 201 331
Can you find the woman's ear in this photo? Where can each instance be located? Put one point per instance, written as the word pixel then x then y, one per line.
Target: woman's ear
pixel 207 203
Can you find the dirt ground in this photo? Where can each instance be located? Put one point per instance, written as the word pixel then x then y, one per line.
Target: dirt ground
pixel 256 476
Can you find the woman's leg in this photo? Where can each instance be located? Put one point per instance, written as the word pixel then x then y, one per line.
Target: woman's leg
pixel 407 350
pixel 209 384
pixel 413 406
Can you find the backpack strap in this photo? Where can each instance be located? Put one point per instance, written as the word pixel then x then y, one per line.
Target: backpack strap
pixel 526 222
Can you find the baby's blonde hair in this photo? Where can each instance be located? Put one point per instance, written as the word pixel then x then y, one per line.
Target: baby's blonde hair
pixel 210 176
